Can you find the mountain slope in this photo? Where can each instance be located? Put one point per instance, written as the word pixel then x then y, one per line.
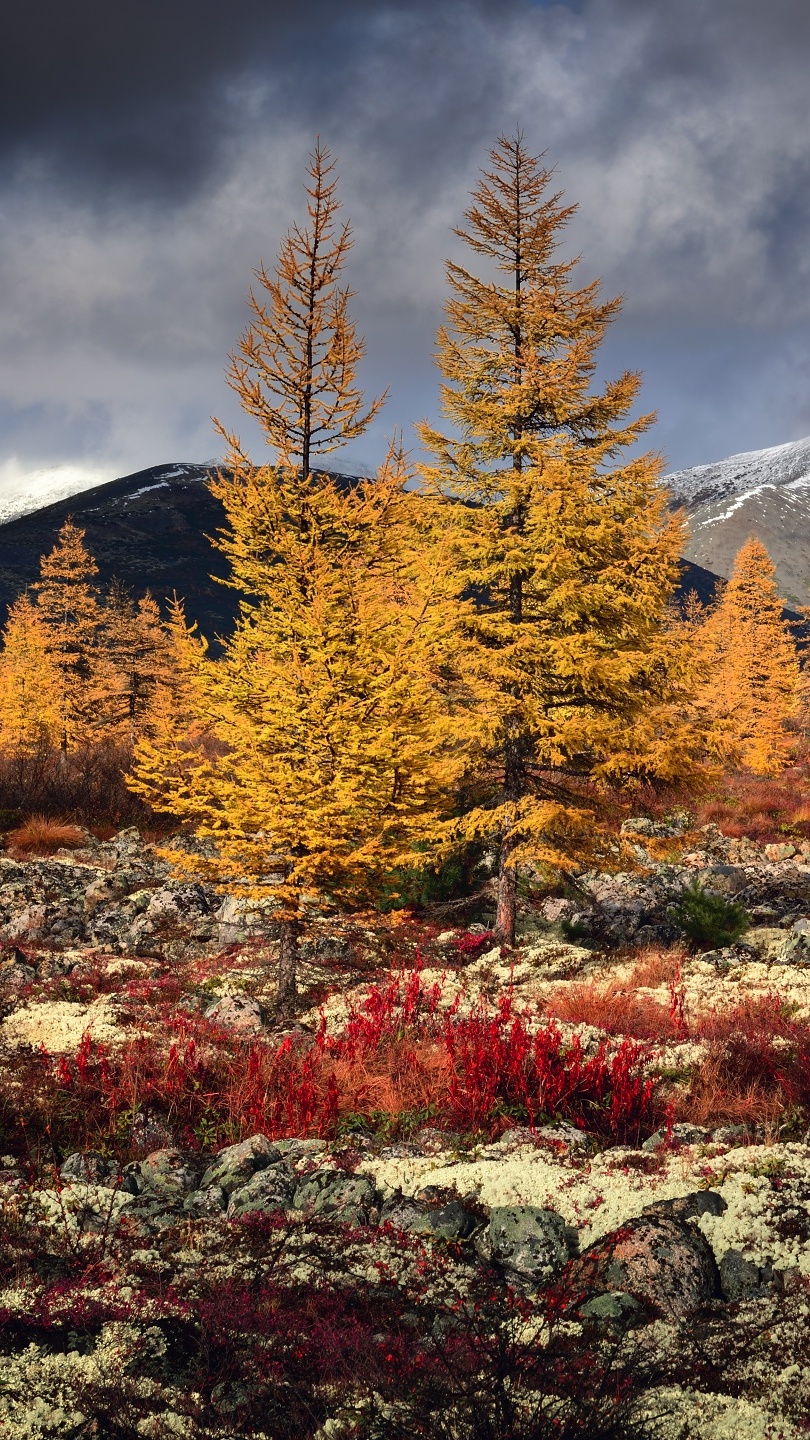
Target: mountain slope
pixel 150 530
pixel 762 492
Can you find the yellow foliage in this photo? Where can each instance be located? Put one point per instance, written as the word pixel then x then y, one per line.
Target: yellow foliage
pixel 30 682
pixel 67 603
pixel 336 744
pixel 295 368
pixel 574 556
pixel 751 694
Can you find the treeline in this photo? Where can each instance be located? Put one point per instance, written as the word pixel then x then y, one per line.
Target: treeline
pixel 79 673
pixel 469 652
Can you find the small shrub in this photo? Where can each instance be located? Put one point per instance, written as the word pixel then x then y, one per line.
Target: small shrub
pixel 41 836
pixel 709 920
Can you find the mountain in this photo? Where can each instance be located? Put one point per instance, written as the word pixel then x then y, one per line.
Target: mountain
pixel 762 492
pixel 150 530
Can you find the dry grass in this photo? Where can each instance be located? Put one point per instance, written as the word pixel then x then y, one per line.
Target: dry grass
pixel 655 968
pixel 40 836
pixel 764 810
pixel 618 1009
pixel 615 1010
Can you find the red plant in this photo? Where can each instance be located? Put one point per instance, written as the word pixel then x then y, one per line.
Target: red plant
pixel 397 1054
pixel 472 942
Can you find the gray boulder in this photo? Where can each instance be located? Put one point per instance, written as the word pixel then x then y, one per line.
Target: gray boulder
pixel 269 1191
pixel 206 1204
pixel 742 1279
pixel 168 1171
pixel 88 1165
pixel 664 1262
pixel 240 1013
pixel 236 1164
pixel 451 1222
pixel 533 1242
pixel 348 1198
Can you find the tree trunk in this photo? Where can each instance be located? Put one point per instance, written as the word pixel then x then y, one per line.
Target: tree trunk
pixel 287 990
pixel 507 895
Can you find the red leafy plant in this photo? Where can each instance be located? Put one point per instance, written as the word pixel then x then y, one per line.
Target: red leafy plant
pixel 400 1059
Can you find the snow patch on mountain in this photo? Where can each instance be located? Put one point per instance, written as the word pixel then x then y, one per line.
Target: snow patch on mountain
pixel 782 467
pixel 765 493
pixel 23 490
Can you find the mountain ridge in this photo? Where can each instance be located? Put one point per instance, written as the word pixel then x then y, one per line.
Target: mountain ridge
pixel 151 530
pixel 765 493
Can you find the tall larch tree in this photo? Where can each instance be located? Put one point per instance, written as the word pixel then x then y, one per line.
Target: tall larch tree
pixel 31 685
pixel 751 695
pixel 67 603
pixel 335 755
pixel 135 656
pixel 572 554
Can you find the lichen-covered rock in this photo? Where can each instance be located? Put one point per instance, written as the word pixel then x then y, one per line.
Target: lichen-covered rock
pixel 332 1192
pixel 236 1164
pixel 452 1222
pixel 664 1263
pixel 743 1279
pixel 533 1242
pixel 270 1190
pixel 169 1171
pixel 89 1165
pixel 240 1013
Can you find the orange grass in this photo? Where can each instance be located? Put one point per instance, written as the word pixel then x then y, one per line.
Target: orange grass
pixel 40 836
pixel 615 1010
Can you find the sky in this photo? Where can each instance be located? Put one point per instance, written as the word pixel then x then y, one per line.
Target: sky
pixel 152 153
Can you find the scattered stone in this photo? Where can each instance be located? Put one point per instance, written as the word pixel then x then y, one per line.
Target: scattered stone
pixel 535 1243
pixel 777 853
pixel 680 1134
pixel 206 1204
pixel 236 1164
pixel 332 1192
pixel 616 1309
pixel 168 1170
pixel 742 1279
pixel 270 1190
pixel 88 1165
pixel 663 1262
pixel 240 1013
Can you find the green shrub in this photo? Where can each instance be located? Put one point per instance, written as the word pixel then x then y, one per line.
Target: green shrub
pixel 707 919
pixel 417 886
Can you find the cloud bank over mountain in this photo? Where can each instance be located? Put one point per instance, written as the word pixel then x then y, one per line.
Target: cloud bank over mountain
pixel 151 154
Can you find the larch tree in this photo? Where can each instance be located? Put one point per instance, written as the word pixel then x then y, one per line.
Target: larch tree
pixel 295 370
pixel 571 553
pixel 30 683
pixel 67 604
pixel 330 753
pixel 751 695
pixel 135 655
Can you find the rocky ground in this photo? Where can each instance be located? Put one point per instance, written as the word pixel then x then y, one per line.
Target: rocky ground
pixel 653 1282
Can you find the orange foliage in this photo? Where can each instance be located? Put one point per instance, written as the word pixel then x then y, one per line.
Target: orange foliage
pixel 615 1010
pixel 41 836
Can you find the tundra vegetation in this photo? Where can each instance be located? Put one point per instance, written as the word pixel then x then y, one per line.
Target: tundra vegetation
pixel 404 1013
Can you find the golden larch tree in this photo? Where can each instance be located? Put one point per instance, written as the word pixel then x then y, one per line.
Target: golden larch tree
pixel 135 656
pixel 328 749
pixel 67 604
pixel 295 370
pixel 751 693
pixel 571 554
pixel 31 686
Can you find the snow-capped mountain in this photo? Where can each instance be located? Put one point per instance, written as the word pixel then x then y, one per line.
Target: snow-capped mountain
pixel 762 492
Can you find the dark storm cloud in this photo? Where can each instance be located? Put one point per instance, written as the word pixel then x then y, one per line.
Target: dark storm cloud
pixel 152 152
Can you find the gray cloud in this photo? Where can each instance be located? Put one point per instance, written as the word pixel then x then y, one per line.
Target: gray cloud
pixel 151 153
